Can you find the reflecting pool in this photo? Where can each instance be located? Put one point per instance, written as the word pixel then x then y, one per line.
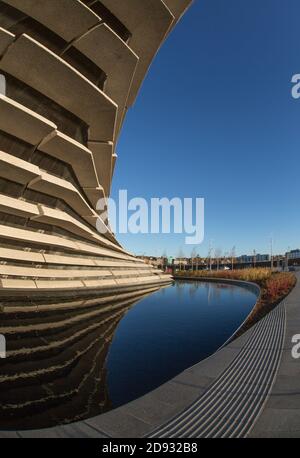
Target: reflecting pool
pixel 71 360
pixel 170 331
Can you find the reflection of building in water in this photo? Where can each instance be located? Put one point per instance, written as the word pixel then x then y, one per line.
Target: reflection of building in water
pixel 55 368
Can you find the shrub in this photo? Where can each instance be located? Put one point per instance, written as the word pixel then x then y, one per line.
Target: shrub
pixel 278 285
pixel 255 275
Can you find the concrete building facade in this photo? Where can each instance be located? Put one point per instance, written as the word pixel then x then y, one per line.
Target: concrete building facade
pixel 69 69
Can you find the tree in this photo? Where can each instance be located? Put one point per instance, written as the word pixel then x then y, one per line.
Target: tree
pixel 193 255
pixel 225 258
pixel 180 257
pixel 209 254
pixel 197 261
pixel 233 256
pixel 218 254
pixel 164 260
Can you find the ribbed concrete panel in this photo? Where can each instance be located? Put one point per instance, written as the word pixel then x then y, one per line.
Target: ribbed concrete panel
pixel 103 158
pixel 6 38
pixel 23 172
pixel 83 36
pixel 77 155
pixel 120 72
pixel 69 70
pixel 177 7
pixel 70 19
pixel 61 219
pixel 62 189
pixel 31 177
pixel 22 122
pixel 20 255
pixel 94 194
pixel 74 92
pixel 17 207
pixel 148 21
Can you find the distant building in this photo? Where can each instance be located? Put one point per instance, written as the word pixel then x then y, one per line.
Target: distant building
pixel 293 254
pixel 244 258
pixel 253 258
pixel 180 261
pixel 263 258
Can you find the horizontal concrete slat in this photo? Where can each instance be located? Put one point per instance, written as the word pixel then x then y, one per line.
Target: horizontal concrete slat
pixel 66 191
pixel 62 189
pixel 51 273
pixel 177 7
pixel 12 233
pixel 22 171
pixel 50 216
pixel 61 219
pixel 34 178
pixel 74 153
pixel 44 258
pixel 99 283
pixel 20 255
pixel 17 284
pixel 94 195
pixel 102 153
pixel 127 273
pixel 139 280
pixel 69 19
pixel 101 45
pixel 134 263
pixel 6 38
pixel 66 284
pixel 68 260
pixel 148 21
pixel 23 123
pixel 17 207
pixel 66 273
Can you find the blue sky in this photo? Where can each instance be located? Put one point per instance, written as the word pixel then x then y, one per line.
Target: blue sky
pixel 215 119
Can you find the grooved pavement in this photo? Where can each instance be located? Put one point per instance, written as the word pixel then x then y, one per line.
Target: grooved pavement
pixel 233 402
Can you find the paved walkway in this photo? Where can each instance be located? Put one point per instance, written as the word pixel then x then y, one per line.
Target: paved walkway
pixel 281 414
pixel 231 405
pixel 250 388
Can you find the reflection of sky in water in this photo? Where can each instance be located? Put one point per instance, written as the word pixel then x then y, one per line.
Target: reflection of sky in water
pixel 171 330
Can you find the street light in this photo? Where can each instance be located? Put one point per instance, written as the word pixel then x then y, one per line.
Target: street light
pixel 271 252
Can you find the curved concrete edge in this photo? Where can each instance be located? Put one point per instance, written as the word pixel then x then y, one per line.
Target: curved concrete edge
pixel 140 417
pixel 68 293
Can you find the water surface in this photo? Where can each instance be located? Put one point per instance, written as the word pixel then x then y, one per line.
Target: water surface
pixel 170 331
pixel 75 359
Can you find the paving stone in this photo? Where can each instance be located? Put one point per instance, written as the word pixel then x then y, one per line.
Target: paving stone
pixel 119 423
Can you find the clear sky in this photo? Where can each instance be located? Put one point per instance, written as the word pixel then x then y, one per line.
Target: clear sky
pixel 215 119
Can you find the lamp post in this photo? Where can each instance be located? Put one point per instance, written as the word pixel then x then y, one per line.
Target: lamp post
pixel 272 253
